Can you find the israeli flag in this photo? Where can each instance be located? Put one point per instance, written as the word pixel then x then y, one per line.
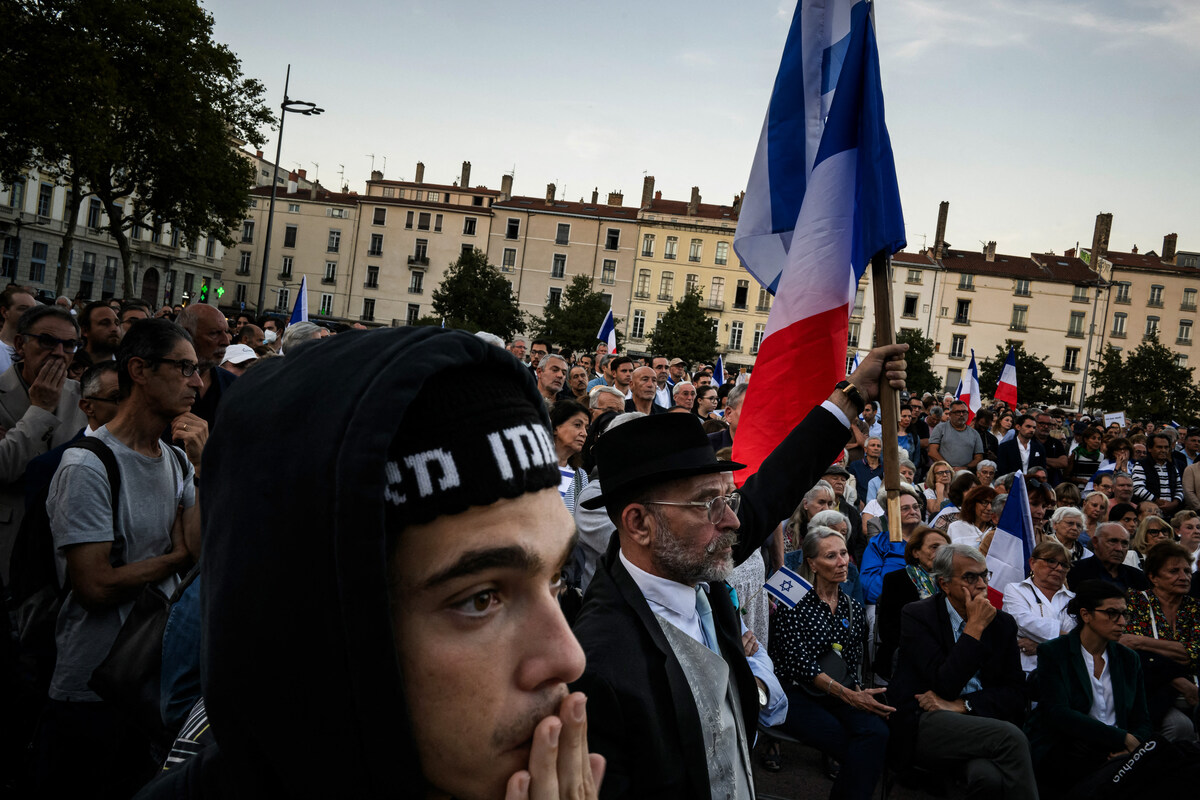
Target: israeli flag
pixel 854 364
pixel 300 310
pixel 787 587
pixel 608 332
pixel 719 371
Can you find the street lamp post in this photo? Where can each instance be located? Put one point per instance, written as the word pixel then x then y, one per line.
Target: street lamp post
pixel 296 107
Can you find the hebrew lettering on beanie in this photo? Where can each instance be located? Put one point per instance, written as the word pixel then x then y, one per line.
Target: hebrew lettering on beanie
pixel 469 438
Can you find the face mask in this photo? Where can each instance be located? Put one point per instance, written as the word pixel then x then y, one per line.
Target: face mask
pixel 268 337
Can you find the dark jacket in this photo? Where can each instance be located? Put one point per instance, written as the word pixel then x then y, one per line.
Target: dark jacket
pixel 930 659
pixel 206 406
pixel 898 591
pixel 1009 456
pixel 1061 717
pixel 655 408
pixel 641 715
pixel 720 440
pixel 1087 569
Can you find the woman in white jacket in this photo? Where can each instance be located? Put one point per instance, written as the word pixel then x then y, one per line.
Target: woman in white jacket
pixel 1039 603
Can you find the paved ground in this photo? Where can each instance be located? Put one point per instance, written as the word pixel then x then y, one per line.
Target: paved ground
pixel 803 777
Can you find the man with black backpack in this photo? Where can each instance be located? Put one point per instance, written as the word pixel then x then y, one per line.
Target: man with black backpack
pixel 110 545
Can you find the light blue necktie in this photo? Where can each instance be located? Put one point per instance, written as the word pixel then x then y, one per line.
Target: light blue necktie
pixel 704 609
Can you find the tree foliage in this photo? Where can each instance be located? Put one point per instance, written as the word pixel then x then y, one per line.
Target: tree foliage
pixel 131 101
pixel 921 377
pixel 573 323
pixel 1147 384
pixel 1035 381
pixel 475 296
pixel 686 332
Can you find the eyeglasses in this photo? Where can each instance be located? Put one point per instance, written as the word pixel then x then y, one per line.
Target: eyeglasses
pixel 715 506
pixel 116 399
pixel 972 578
pixel 1155 532
pixel 48 342
pixel 186 368
pixel 1113 614
pixel 1054 562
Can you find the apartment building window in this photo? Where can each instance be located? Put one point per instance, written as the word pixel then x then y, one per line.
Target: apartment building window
pixel 388 191
pixel 1120 319
pixel 94 210
pixel 37 262
pixel 691 283
pixel 423 221
pixel 434 197
pixel 612 239
pixel 368 310
pixel 408 220
pixel 437 223
pixel 508 262
pixel 958 345
pixel 966 282
pixel 243 267
pixel 421 251
pixel 413 314
pixel 555 298
pixel 247 231
pixel 289 236
pixel 418 195
pixel 8 268
pixel 1019 316
pixel 666 286
pixel 45 196
pixel 637 329
pixel 962 313
pixel 467 249
pixel 376 247
pixel 175 237
pixel 335 241
pixel 16 196
pixel 860 298
pixel 1080 295
pixel 740 295
pixel 1155 300
pixel 1185 332
pixel 1122 292
pixel 513 229
pixel 239 293
pixel 910 306
pixel 379 216
pixel 1066 392
pixel 562 236
pixel 915 276
pixel 1075 326
pixel 643 284
pixel 1071 360
pixel 760 331
pixel 469 226
pixel 326 308
pixel 764 300
pixel 716 294
pixel 672 248
pixel 372 277
pixel 283 299
pixel 695 250
pixel 293 208
pixel 558 267
pixel 1151 327
pixel 735 335
pixel 648 245
pixel 416 282
pixel 1181 360
pixel 87 275
pixel 608 272
pixel 1022 287
pixel 1189 300
pixel 285 267
pixel 853 334
pixel 330 272
pixel 722 257
pixel 337 213
pixel 156 233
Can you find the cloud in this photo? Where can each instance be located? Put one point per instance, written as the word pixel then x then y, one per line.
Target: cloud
pixel 1144 21
pixel 589 144
pixel 696 59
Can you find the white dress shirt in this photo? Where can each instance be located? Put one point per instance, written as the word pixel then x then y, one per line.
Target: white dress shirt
pixel 1102 693
pixel 1038 617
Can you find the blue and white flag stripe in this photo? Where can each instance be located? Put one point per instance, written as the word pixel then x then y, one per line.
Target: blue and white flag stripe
pixel 787 587
pixel 300 310
pixel 719 371
pixel 608 332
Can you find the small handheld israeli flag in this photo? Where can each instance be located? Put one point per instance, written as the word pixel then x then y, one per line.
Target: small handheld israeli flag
pixel 787 587
pixel 719 371
pixel 608 332
pixel 300 310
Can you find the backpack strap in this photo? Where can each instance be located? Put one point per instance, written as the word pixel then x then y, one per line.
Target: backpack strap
pixel 103 452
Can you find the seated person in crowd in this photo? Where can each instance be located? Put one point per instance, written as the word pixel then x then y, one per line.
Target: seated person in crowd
pixel 1039 603
pixel 959 689
pixel 904 586
pixel 975 518
pixel 956 495
pixel 1110 545
pixel 1149 532
pixel 1067 524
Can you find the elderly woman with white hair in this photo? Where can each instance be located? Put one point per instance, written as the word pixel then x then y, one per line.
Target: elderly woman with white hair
pixel 300 332
pixel 1067 523
pixel 1039 603
pixel 986 470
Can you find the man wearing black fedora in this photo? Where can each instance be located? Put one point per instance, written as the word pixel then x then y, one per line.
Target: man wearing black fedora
pixel 672 702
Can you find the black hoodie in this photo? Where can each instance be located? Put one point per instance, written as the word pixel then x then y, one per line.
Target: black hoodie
pixel 300 672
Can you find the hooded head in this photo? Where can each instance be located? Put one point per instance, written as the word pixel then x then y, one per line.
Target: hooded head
pixel 368 611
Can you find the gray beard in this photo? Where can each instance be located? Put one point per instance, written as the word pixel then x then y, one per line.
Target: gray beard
pixel 676 562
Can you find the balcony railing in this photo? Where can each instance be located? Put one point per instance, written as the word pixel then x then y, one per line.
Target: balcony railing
pixel 642 295
pixel 762 308
pixel 669 256
pixel 1074 334
pixel 1017 326
pixel 739 306
pixel 665 297
pixel 962 320
pixel 418 261
pixel 732 349
pixel 1185 306
pixel 375 251
pixel 1152 303
pixel 416 290
pixel 1183 340
pixel 1117 335
pixel 715 305
pixel 1122 299
pixel 329 280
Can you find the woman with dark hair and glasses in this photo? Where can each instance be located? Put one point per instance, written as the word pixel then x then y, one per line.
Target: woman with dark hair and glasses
pixel 1149 532
pixel 1092 705
pixel 1039 603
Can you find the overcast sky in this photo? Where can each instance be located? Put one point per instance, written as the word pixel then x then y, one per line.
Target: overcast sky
pixel 1029 116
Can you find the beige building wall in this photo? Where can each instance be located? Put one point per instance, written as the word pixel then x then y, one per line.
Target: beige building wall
pixel 916 280
pixel 1147 295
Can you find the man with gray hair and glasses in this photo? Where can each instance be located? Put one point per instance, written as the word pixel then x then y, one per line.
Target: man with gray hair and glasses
pixel 958 689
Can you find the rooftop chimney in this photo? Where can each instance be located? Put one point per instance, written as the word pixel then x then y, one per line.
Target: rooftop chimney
pixel 376 175
pixel 694 203
pixel 466 175
pixel 939 239
pixel 291 184
pixel 303 174
pixel 658 195
pixel 506 187
pixel 989 252
pixel 1134 250
pixel 1168 253
pixel 647 191
pixel 258 153
pixel 737 203
pixel 1100 239
pixel 420 172
pixel 596 195
pixel 550 190
pixel 615 198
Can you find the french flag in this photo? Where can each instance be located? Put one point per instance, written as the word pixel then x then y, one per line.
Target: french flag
pixel 608 332
pixel 968 390
pixel 300 310
pixel 1006 387
pixel 821 200
pixel 1012 544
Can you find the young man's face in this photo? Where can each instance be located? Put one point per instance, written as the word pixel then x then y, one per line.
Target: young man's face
pixel 468 591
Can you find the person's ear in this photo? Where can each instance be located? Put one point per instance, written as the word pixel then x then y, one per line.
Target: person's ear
pixel 639 523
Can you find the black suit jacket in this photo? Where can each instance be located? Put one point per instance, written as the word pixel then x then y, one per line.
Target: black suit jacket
pixel 641 715
pixel 1010 456
pixel 720 440
pixel 655 408
pixel 930 659
pixel 1131 579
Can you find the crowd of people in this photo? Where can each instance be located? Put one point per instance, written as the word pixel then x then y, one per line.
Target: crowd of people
pixel 478 568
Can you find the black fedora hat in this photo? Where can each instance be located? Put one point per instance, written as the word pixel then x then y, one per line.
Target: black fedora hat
pixel 651 450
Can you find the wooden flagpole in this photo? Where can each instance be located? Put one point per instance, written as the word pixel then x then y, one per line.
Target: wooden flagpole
pixel 889 413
